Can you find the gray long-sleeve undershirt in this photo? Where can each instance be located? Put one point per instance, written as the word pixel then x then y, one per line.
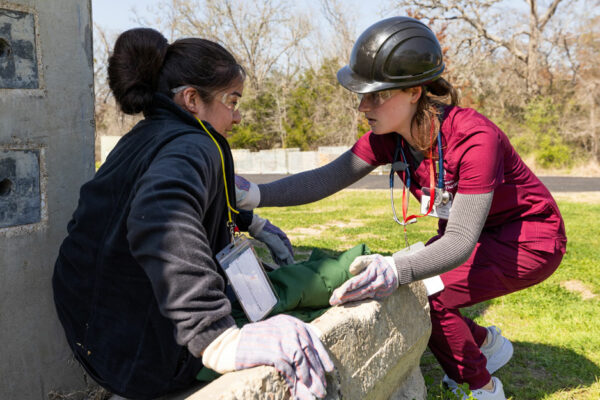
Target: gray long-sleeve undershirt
pixel 467 217
pixel 306 187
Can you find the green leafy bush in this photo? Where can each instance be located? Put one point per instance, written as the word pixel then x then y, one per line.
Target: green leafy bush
pixel 542 117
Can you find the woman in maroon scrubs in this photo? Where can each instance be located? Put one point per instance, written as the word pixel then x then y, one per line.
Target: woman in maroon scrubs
pixel 499 231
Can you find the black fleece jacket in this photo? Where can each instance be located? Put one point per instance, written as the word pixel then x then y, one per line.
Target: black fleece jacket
pixel 136 286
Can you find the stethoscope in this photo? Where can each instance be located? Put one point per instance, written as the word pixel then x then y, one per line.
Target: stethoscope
pixel 441 196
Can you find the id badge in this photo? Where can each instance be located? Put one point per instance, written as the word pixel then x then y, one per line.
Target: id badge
pixel 432 284
pixel 441 205
pixel 248 278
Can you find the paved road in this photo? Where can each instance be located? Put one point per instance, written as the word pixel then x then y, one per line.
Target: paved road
pixel 553 183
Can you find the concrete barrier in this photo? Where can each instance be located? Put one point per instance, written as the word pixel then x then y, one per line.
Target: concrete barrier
pixel 274 161
pixel 376 347
pixel 300 161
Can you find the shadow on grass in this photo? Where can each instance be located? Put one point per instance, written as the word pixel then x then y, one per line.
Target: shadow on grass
pixel 539 369
pixel 536 371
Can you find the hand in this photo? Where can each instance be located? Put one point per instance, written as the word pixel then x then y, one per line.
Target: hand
pixel 293 348
pixel 276 240
pixel 378 279
pixel 247 194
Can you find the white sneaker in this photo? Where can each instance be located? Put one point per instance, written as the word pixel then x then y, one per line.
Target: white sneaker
pixel 498 350
pixel 480 394
pixel 496 394
pixel 449 383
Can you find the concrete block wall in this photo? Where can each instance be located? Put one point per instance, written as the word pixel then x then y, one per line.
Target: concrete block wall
pixel 274 161
pixel 376 347
pixel 299 161
pixel 46 153
pixel 288 161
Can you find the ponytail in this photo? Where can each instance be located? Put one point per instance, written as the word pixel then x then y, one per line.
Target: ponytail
pixel 134 68
pixel 429 108
pixel 442 88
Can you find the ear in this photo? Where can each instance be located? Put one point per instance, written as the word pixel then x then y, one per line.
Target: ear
pixel 190 100
pixel 415 94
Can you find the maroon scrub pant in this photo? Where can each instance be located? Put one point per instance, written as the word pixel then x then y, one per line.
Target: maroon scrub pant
pixel 497 266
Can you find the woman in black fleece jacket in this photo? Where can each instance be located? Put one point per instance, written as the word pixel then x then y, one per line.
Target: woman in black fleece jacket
pixel 136 284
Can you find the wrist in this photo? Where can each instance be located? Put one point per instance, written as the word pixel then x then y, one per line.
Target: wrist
pixel 257 225
pixel 197 345
pixel 220 353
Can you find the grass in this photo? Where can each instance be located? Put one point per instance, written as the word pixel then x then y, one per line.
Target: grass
pixel 554 326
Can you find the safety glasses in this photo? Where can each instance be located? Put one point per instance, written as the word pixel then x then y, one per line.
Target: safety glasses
pixel 377 98
pixel 229 100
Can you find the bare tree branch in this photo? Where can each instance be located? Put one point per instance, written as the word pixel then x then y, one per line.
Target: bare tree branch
pixel 549 13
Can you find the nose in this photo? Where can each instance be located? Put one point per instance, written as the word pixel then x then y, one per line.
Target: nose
pixel 237 117
pixel 364 105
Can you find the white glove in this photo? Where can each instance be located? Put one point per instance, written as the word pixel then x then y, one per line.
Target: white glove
pixel 282 341
pixel 376 277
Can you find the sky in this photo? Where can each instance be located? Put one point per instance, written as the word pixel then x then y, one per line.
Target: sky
pixel 116 16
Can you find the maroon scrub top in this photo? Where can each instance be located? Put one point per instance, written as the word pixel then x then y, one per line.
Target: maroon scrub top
pixel 479 158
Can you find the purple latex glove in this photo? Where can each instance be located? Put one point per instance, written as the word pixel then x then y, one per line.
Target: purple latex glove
pixel 276 240
pixel 293 348
pixel 247 194
pixel 378 280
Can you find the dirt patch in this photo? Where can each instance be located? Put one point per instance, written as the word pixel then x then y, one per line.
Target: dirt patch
pixel 367 237
pixel 576 286
pixel 318 229
pixel 300 231
pixel 351 224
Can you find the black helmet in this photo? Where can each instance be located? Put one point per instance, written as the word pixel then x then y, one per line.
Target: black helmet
pixel 397 52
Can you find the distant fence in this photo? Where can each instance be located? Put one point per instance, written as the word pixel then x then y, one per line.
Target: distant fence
pixel 274 161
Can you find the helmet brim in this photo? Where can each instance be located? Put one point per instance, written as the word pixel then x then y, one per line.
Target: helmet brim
pixel 357 84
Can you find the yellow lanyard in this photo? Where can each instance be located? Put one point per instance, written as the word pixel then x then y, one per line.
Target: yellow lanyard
pixel 229 208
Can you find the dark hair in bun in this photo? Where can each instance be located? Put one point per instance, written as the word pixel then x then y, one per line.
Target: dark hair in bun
pixel 144 63
pixel 134 66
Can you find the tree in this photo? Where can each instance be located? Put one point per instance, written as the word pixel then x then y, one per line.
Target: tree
pixel 580 124
pixel 534 74
pixel 344 122
pixel 263 34
pixel 528 38
pixel 266 38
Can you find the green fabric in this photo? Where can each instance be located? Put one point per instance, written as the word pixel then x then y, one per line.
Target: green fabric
pixel 303 289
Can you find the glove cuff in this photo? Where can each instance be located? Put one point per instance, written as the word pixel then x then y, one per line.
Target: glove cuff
pixel 390 260
pixel 257 225
pixel 251 200
pixel 220 353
